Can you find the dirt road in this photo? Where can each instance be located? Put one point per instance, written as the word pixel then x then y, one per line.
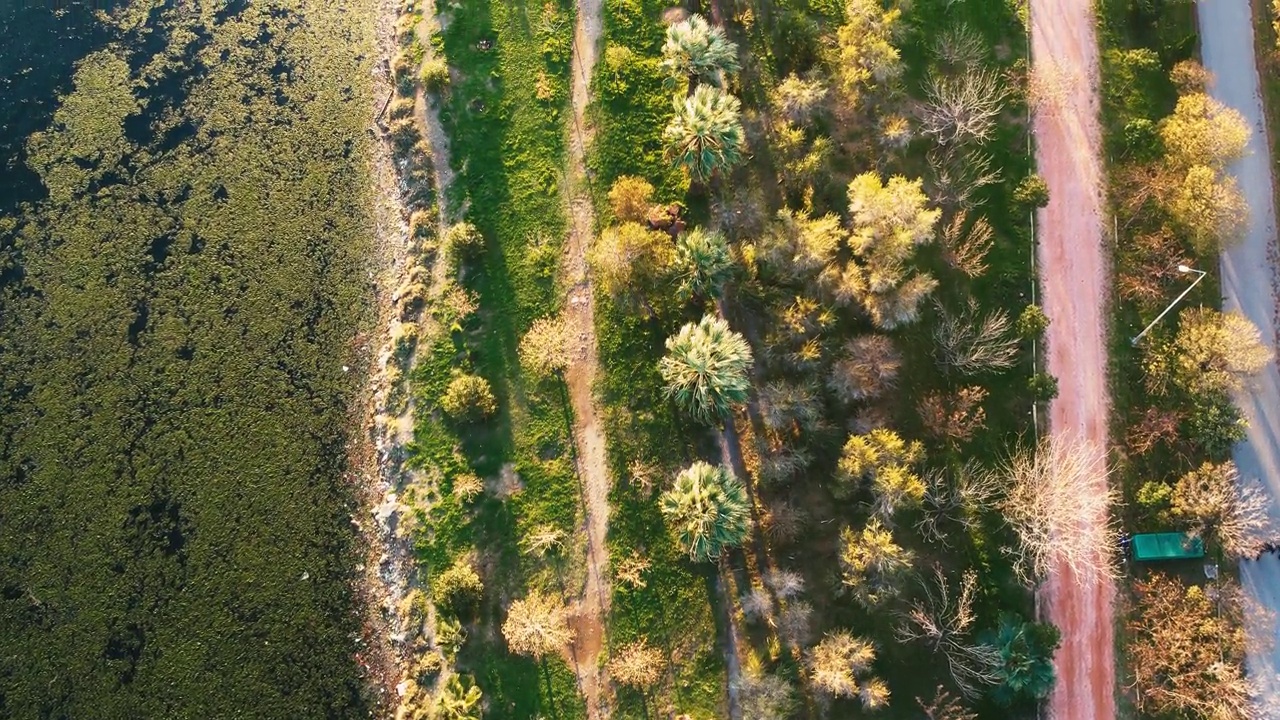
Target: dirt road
pixel 588 431
pixel 1073 278
pixel 1249 285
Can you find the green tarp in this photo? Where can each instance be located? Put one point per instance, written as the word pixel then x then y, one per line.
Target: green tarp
pixel 1167 546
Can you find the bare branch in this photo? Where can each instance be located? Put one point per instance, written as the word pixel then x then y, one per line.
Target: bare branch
pixel 1059 504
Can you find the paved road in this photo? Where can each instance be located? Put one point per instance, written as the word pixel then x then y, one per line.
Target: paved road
pixel 1074 282
pixel 1248 279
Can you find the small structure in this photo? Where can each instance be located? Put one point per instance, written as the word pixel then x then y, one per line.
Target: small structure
pixel 1166 546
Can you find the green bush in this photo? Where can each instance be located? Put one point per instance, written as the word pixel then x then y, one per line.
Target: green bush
pixel 405 26
pixel 434 74
pixel 422 224
pixel 401 107
pixel 1214 424
pixel 463 240
pixel 468 398
pixel 402 67
pixel 404 135
pixel 1154 498
pixel 1142 140
pixel 1043 386
pixel 1032 192
pixel 457 588
pixel 1032 322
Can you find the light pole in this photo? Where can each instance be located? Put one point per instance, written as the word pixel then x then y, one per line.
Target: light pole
pixel 1181 269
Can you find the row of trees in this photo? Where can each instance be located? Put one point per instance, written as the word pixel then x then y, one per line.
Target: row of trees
pixel 1176 202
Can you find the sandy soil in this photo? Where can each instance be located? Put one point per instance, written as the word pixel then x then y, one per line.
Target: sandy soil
pixel 1249 285
pixel 387 568
pixel 1073 277
pixel 385 424
pixel 588 431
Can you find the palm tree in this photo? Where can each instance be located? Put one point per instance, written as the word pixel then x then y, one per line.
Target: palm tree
pixel 698 51
pixel 1026 659
pixel 705 136
pixel 458 701
pixel 706 368
pixel 707 509
pixel 702 263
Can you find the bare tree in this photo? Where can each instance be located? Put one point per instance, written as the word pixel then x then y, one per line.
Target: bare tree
pixel 637 664
pixel 788 405
pixel 965 245
pixel 958 495
pixel 547 348
pixel 960 47
pixel 766 697
pixel 944 622
pixel 543 540
pixel 963 108
pixel 786 584
pixel 1222 507
pixel 756 604
pixel 945 707
pixel 794 626
pixel 958 174
pixel 784 520
pixel 1059 503
pixel 1155 426
pixel 970 343
pixel 631 570
pixel 867 368
pixel 537 626
pixel 954 416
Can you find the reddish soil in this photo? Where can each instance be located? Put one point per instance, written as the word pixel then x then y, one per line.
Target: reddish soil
pixel 1073 278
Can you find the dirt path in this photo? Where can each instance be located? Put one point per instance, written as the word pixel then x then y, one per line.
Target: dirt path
pixel 1073 278
pixel 1249 283
pixel 588 432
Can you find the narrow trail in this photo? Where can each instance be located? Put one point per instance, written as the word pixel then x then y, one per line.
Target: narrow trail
pixel 588 430
pixel 1073 279
pixel 427 110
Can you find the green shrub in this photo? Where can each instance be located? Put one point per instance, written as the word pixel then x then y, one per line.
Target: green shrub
pixel 468 398
pixel 401 107
pixel 428 666
pixel 405 26
pixel 1142 140
pixel 1032 322
pixel 1032 192
pixel 630 198
pixel 434 74
pixel 1214 424
pixel 402 67
pixel 1153 498
pixel 458 587
pixel 403 341
pixel 1043 386
pixel 463 240
pixel 404 135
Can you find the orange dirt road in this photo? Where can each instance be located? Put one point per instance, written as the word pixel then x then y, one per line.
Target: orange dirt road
pixel 1073 281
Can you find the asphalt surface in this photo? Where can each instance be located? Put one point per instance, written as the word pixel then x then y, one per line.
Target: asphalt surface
pixel 1249 285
